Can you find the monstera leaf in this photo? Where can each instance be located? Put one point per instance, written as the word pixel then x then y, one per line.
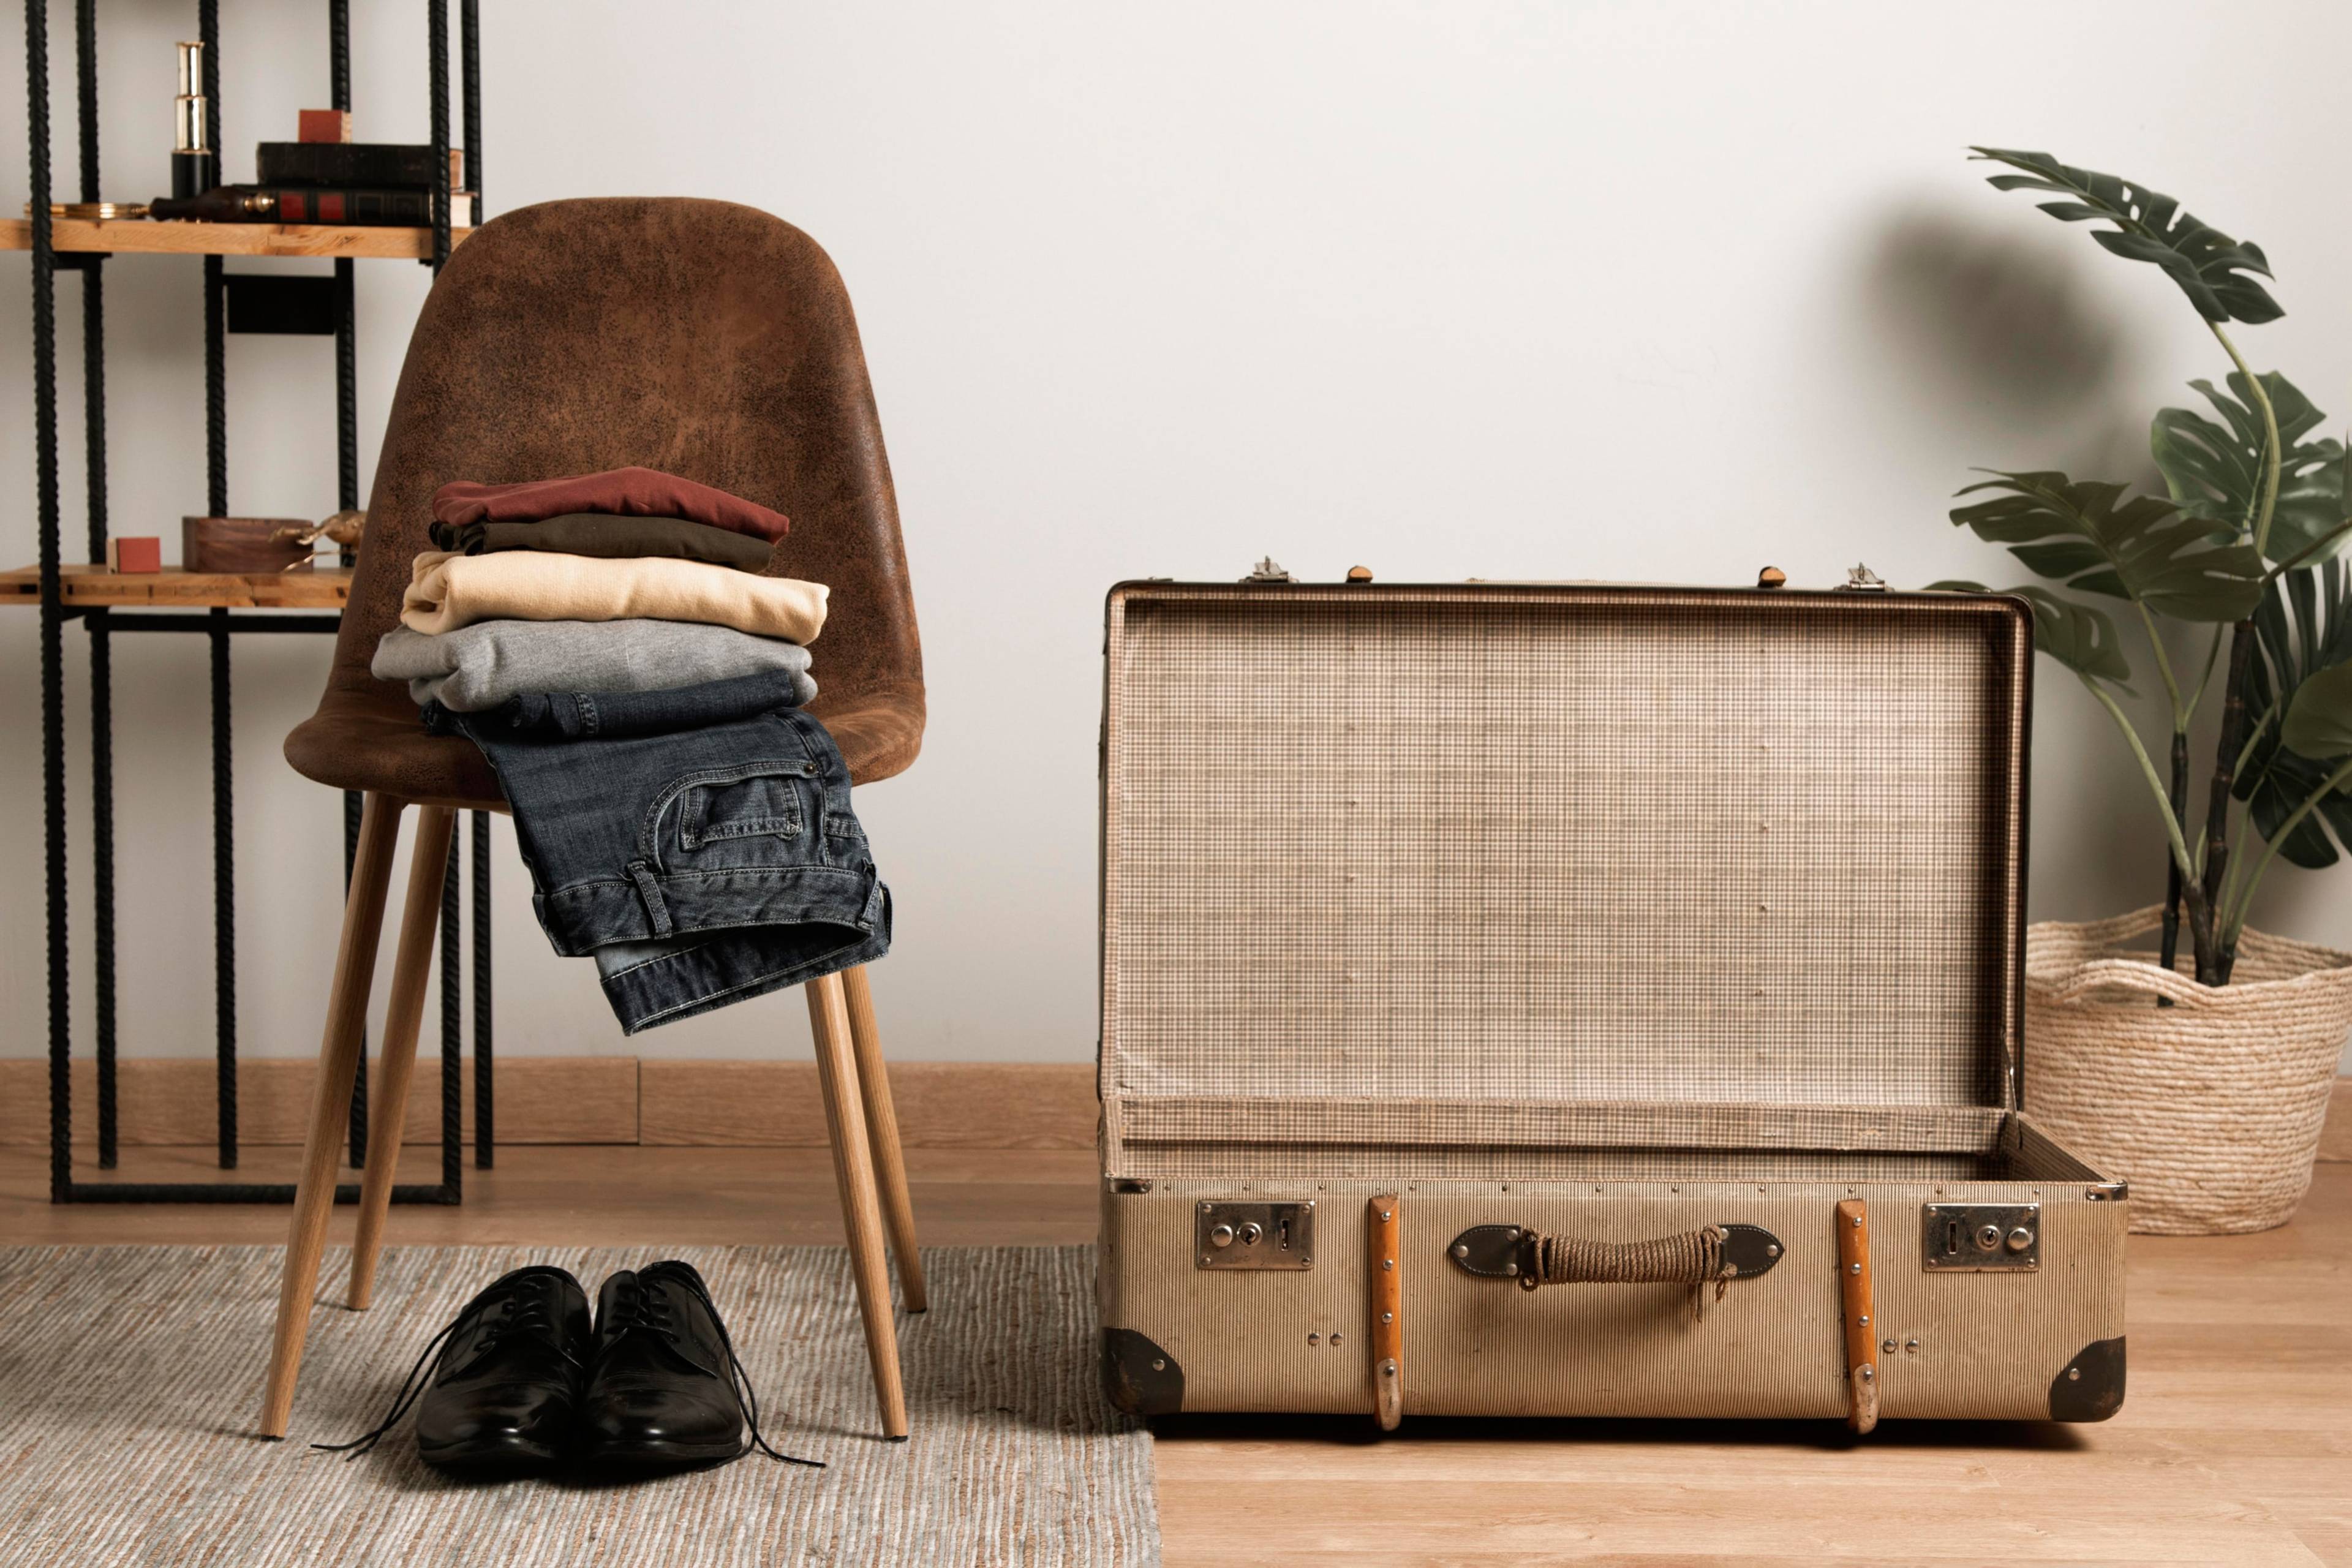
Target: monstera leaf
pixel 2319 721
pixel 2086 534
pixel 2209 265
pixel 2302 673
pixel 2076 635
pixel 2215 471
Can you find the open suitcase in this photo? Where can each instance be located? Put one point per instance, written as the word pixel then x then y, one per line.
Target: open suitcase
pixel 1527 999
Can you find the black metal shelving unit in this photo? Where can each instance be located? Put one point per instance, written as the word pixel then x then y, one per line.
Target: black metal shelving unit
pixel 217 624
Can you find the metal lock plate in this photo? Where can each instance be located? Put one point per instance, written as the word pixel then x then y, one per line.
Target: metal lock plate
pixel 1959 1238
pixel 1254 1235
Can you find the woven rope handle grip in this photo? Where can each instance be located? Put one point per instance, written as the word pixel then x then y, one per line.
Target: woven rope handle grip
pixel 1692 1258
pixel 2129 975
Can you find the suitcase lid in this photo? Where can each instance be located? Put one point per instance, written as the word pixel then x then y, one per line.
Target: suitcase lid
pixel 1552 862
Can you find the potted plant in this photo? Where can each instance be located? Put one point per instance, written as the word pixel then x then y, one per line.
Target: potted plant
pixel 2205 1089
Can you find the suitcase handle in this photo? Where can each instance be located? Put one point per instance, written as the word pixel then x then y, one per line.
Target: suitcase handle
pixel 1713 1254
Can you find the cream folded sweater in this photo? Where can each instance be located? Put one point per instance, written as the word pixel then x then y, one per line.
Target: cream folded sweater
pixel 448 591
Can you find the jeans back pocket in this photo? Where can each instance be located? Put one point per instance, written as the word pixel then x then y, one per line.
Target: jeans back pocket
pixel 774 802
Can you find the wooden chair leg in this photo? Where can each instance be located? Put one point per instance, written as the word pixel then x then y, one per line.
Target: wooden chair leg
pixel 882 1137
pixel 861 1214
pixel 339 1063
pixel 420 917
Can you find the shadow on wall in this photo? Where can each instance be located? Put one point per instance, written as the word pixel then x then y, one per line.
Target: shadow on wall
pixel 2008 343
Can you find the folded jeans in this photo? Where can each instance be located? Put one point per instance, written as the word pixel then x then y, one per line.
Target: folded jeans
pixel 711 846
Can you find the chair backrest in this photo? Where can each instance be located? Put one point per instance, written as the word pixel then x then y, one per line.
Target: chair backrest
pixel 701 338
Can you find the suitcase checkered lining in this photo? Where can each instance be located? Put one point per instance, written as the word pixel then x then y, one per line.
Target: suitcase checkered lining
pixel 1465 872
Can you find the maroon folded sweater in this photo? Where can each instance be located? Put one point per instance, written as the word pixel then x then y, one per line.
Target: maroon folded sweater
pixel 619 492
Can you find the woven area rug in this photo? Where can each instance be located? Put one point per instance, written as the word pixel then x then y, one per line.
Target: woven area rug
pixel 129 1379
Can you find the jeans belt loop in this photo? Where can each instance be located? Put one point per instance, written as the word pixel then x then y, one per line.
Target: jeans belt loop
pixel 649 891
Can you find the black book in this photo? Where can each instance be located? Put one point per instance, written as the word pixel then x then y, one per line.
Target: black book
pixel 379 164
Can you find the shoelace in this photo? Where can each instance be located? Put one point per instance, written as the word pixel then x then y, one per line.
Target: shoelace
pixel 646 1309
pixel 515 1313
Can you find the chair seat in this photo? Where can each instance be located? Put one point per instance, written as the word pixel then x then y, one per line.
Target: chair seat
pixel 368 737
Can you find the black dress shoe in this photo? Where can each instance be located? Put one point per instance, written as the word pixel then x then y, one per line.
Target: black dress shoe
pixel 665 1389
pixel 503 1393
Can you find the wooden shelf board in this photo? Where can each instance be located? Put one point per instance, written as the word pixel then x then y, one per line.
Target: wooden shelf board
pixel 319 588
pixel 144 237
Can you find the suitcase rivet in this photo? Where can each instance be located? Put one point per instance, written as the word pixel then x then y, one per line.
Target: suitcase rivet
pixel 1306 1263
pixel 1886 1347
pixel 1511 1270
pixel 2074 1374
pixel 1772 1250
pixel 1159 1366
pixel 1512 1232
pixel 1388 1317
pixel 1911 1347
pixel 1868 1373
pixel 1460 1250
pixel 1857 1222
pixel 1854 1268
pixel 1386 1216
pixel 1335 1342
pixel 1314 1339
pixel 1388 1263
pixel 1862 1321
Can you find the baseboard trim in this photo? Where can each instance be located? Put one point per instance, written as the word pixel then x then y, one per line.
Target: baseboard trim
pixel 2335 1138
pixel 166 1101
pixel 627 1099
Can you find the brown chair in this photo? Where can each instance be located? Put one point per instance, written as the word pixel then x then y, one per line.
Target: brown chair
pixel 701 338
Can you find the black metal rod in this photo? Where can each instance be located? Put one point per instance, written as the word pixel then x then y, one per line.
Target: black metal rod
pixel 85 91
pixel 437 33
pixel 352 805
pixel 232 1193
pixel 485 1137
pixel 224 899
pixel 208 30
pixel 53 716
pixel 347 484
pixel 190 621
pixel 101 663
pixel 469 52
pixel 102 855
pixel 453 1045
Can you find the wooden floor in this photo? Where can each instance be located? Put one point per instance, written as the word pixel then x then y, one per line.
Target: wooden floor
pixel 2234 1447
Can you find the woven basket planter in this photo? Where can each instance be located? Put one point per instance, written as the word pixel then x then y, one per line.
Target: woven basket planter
pixel 2212 1108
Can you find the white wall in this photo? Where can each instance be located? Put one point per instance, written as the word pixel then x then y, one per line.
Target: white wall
pixel 1639 291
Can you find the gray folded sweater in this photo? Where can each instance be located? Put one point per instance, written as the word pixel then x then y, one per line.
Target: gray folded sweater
pixel 482 664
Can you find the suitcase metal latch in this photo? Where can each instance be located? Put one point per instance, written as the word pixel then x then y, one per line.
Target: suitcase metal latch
pixel 1959 1238
pixel 1254 1235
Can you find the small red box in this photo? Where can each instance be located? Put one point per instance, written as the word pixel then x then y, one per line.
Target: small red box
pixel 134 555
pixel 323 125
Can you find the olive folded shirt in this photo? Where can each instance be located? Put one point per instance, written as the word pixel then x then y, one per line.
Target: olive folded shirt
pixel 604 534
pixel 491 663
pixel 448 591
pixel 623 492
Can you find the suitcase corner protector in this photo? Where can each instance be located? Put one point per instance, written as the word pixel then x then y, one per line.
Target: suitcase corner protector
pixel 1139 1377
pixel 2091 1386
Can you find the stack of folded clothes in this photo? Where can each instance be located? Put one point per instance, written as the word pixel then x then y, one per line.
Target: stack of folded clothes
pixel 616 647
